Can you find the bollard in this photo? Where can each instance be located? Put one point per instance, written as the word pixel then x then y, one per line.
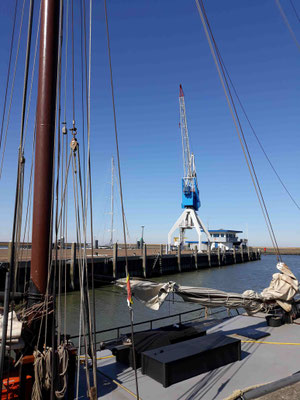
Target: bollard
pixel 196 257
pixel 73 264
pixel 179 258
pixel 9 251
pixel 219 256
pixel 160 259
pixel 209 255
pixel 145 274
pixel 205 312
pixel 115 260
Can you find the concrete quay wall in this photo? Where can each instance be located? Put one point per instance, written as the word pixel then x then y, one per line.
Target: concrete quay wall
pixel 108 269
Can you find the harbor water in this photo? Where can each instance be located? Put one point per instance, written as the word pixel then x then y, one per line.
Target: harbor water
pixel 111 305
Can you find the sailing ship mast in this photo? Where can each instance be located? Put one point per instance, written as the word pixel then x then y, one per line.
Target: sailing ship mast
pixel 45 132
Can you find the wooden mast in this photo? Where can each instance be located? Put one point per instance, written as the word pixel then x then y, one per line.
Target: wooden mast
pixel 45 130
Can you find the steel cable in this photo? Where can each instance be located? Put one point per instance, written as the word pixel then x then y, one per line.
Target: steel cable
pixel 32 75
pixel 12 88
pixel 8 69
pixel 121 192
pixel 255 135
pixel 81 273
pixel 89 186
pixel 17 218
pixel 295 11
pixel 237 124
pixel 86 287
pixel 245 146
pixel 286 21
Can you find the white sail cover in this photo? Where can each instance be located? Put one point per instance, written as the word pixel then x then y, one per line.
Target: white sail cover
pixel 281 290
pixel 14 327
pixel 283 287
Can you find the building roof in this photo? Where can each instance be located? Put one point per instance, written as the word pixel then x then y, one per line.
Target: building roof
pixel 222 231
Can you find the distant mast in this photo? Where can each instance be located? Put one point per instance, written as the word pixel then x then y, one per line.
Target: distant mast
pixel 112 203
pixel 45 132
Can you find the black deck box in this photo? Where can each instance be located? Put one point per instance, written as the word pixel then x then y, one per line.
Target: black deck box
pixel 148 340
pixel 180 361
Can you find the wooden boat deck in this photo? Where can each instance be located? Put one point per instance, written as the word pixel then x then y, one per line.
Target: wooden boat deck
pixel 261 363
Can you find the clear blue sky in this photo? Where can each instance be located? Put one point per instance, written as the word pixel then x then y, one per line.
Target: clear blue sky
pixel 156 46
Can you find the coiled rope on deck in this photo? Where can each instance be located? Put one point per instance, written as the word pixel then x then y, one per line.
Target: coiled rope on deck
pixel 43 372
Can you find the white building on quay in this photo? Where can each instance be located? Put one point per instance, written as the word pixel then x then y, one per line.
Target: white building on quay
pixel 225 239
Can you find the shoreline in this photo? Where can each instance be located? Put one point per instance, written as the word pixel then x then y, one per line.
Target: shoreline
pixel 285 251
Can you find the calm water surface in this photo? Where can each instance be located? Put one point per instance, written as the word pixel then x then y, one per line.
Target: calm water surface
pixel 111 305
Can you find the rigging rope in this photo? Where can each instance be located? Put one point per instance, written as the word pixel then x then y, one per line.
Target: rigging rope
pixel 80 266
pixel 255 135
pixel 21 159
pixel 17 219
pixel 121 193
pixel 73 65
pixel 295 11
pixel 66 62
pixel 89 185
pixel 63 363
pixel 235 117
pixel 8 69
pixel 12 88
pixel 58 172
pixel 83 72
pixel 65 170
pixel 32 74
pixel 286 21
pixel 86 287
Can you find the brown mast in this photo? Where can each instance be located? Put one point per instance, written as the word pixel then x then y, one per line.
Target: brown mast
pixel 45 129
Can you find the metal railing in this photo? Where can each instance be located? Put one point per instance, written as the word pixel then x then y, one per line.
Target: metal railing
pixel 117 330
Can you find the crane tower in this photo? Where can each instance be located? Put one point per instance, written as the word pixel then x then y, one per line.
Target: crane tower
pixel 190 192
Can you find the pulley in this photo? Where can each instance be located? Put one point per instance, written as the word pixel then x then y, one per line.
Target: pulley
pixel 74 144
pixel 64 128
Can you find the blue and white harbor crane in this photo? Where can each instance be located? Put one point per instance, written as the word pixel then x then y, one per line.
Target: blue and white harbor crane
pixel 190 192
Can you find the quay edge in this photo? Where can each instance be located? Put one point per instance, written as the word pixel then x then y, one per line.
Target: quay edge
pixel 109 268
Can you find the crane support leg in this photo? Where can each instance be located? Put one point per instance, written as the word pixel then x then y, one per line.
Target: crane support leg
pixel 188 220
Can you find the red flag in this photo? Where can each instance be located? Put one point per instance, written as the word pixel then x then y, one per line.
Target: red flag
pixel 129 298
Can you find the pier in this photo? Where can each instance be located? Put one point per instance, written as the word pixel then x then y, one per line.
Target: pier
pixel 109 263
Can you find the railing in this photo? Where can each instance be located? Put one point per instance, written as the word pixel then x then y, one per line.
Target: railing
pixel 179 316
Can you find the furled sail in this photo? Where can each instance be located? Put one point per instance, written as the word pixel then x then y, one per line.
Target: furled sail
pixel 282 289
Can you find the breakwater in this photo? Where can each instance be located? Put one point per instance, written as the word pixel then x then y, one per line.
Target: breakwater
pixel 112 267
